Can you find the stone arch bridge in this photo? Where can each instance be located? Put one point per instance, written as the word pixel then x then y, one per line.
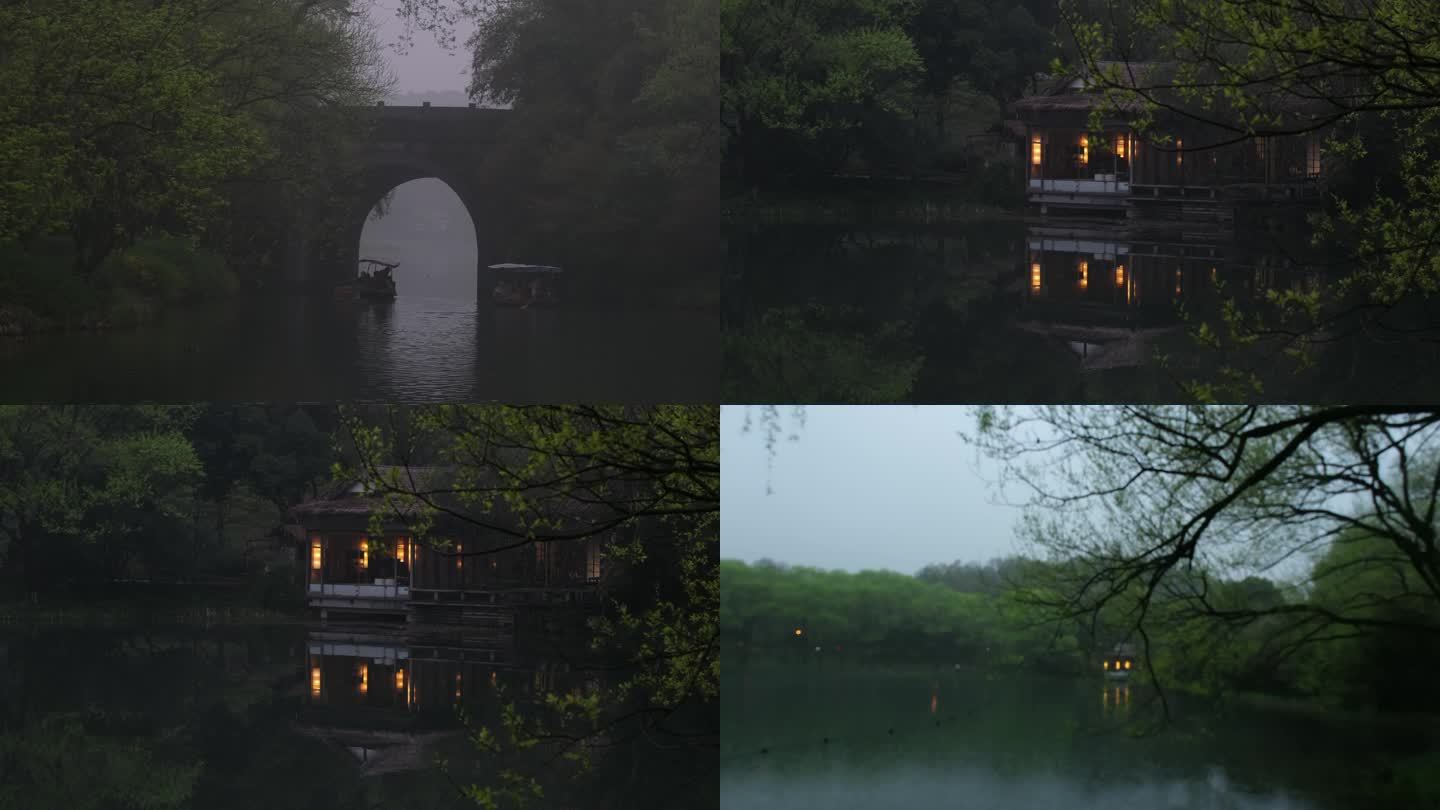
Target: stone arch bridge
pixel 404 144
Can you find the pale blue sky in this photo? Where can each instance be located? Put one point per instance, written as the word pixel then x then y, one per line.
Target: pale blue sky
pixel 864 487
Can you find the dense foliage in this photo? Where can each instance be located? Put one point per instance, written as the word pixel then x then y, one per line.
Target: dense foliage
pixel 899 86
pixel 123 119
pixel 92 495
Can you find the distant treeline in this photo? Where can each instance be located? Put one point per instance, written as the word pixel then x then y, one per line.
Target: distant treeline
pixel 1009 613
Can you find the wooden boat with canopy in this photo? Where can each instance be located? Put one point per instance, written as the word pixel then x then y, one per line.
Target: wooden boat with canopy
pixel 526 285
pixel 374 282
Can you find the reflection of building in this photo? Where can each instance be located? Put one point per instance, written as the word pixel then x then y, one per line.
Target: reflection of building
pixel 390 702
pixel 1106 292
pixel 1172 171
pixel 463 574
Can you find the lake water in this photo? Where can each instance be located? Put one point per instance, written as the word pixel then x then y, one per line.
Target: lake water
pixel 416 349
pixel 817 734
pixel 1010 311
pixel 290 718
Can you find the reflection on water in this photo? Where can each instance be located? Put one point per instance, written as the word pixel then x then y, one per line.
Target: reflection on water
pixel 281 717
pixel 803 735
pixel 1031 312
pixel 414 349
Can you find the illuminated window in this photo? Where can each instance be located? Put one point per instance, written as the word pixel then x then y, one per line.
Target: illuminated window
pixel 1035 276
pixel 399 678
pixel 400 544
pixel 1107 664
pixel 1035 151
pixel 364 678
pixel 1127 664
pixel 1177 281
pixel 492 677
pixel 457 686
pixel 1084 149
pixel 1212 275
pixel 1179 152
pixel 315 554
pixel 364 553
pixel 315 681
pixel 1120 145
pixel 1312 158
pixel 1084 274
pixel 459 561
pixel 592 560
pixel 1119 275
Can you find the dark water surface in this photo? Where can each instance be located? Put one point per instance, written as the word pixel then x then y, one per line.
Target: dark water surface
pixel 281 717
pixel 416 349
pixel 813 735
pixel 1015 311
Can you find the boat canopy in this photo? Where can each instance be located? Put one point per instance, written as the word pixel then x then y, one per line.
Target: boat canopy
pixel 525 268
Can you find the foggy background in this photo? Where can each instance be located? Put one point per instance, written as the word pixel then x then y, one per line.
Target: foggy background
pixel 863 487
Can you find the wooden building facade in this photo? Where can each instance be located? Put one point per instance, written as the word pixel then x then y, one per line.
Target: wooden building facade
pixel 351 568
pixel 1180 168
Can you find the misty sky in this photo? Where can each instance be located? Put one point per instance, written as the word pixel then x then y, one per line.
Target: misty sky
pixel 425 65
pixel 864 487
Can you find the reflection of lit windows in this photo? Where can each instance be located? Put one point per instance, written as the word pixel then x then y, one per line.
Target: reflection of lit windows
pixel 315 681
pixel 1084 274
pixel 1035 277
pixel 315 554
pixel 1035 151
pixel 1119 275
pixel 1084 149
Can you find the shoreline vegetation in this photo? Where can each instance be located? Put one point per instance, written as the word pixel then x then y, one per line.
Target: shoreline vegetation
pixel 42 292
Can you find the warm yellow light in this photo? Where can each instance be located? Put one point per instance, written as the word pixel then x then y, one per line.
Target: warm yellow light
pixel 1084 274
pixel 492 677
pixel 399 678
pixel 1177 282
pixel 1179 152
pixel 364 679
pixel 459 561
pixel 1212 275
pixel 1127 664
pixel 799 632
pixel 1035 151
pixel 400 549
pixel 1119 275
pixel 457 686
pixel 315 555
pixel 1035 277
pixel 1107 665
pixel 315 681
pixel 1120 145
pixel 364 553
pixel 1084 149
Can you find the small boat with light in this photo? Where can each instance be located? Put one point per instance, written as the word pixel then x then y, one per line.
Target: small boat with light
pixel 374 282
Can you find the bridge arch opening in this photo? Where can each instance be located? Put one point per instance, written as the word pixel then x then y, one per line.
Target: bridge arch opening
pixel 425 226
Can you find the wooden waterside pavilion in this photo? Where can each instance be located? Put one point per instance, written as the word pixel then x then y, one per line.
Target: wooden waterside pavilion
pixel 1182 168
pixel 462 573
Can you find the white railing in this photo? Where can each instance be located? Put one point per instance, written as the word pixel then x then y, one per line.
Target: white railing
pixel 381 590
pixel 1103 184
